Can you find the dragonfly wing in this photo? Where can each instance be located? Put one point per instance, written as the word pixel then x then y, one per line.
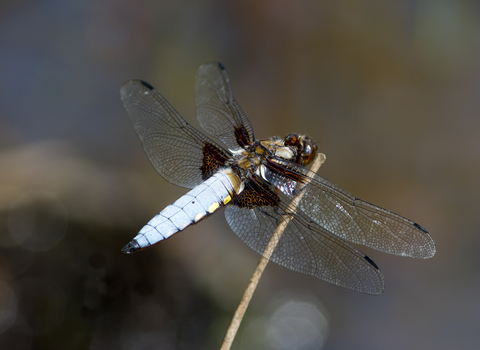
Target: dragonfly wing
pixel 176 149
pixel 360 222
pixel 304 246
pixel 217 110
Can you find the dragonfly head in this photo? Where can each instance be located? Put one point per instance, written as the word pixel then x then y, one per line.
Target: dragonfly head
pixel 306 149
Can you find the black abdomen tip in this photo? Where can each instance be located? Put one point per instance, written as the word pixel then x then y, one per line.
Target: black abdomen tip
pixel 131 247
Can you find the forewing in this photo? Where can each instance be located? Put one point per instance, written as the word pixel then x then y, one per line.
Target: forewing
pixel 217 111
pixel 360 222
pixel 305 246
pixel 175 148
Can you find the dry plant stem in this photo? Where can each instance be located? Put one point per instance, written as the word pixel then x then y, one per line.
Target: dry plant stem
pixel 252 285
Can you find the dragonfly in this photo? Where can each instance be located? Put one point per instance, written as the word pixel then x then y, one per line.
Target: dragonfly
pixel 256 181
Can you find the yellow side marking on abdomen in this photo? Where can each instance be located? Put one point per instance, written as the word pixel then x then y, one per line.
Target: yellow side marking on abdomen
pixel 199 216
pixel 213 207
pixel 227 199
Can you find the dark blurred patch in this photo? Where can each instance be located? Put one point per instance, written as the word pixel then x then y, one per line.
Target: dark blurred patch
pixel 85 291
pixel 37 220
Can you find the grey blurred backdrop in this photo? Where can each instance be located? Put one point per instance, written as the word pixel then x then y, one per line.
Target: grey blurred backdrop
pixel 389 90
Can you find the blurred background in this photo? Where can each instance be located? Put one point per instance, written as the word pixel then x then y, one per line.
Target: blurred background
pixel 389 90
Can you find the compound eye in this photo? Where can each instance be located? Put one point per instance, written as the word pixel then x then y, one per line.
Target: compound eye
pixel 292 140
pixel 309 151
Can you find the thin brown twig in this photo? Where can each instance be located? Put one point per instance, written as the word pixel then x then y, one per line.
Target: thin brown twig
pixel 252 285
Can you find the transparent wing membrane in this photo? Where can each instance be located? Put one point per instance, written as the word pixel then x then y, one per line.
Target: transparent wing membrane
pixel 217 111
pixel 306 247
pixel 173 146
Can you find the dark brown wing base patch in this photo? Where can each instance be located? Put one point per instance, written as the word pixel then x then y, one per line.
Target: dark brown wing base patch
pixel 213 159
pixel 256 194
pixel 242 136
